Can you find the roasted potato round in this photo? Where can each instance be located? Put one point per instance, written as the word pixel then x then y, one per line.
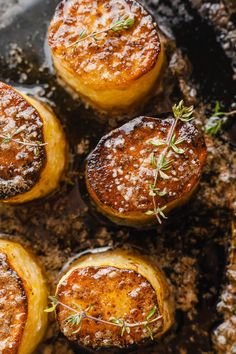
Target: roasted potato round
pixel 23 295
pixel 33 147
pixel 123 177
pixel 108 51
pixel 113 299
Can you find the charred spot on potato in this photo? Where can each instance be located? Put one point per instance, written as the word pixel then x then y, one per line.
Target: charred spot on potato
pixel 22 156
pixel 120 169
pixel 13 308
pixel 108 292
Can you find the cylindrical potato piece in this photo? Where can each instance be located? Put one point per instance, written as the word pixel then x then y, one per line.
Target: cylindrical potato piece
pixel 23 296
pixel 108 51
pixel 121 172
pixel 33 148
pixel 124 299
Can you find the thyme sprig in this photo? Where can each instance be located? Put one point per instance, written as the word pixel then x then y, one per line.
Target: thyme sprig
pixel 76 319
pixel 217 120
pixel 160 163
pixel 122 23
pixel 7 138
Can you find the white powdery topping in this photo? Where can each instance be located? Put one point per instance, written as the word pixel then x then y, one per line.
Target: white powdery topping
pixel 21 155
pixel 143 284
pixel 5 100
pixel 128 194
pixel 29 170
pixel 150 125
pixel 129 191
pixel 101 272
pixel 90 67
pixel 9 126
pixel 75 287
pixel 26 113
pixel 134 293
pixel 116 172
pixel 115 142
pixel 17 180
pixel 4 343
pixel 105 75
pixel 113 274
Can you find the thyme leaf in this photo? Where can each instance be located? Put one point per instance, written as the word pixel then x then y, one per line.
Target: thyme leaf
pixel 76 318
pixel 157 212
pixel 125 22
pixel 161 164
pixel 7 138
pixel 214 125
pixel 174 144
pixel 164 175
pixel 156 191
pixel 148 329
pixel 164 164
pixel 215 122
pixel 183 113
pixel 157 142
pixel 54 303
pixel 122 23
pixel 151 313
pixel 148 318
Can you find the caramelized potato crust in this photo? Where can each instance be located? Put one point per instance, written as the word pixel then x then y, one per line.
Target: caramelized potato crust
pixel 118 284
pixel 20 165
pixel 119 171
pixel 115 71
pixel 23 298
pixel 28 168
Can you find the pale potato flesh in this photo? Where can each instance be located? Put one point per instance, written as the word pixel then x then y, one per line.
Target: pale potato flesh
pixel 113 100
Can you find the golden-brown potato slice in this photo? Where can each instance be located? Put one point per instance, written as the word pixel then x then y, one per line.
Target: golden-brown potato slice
pixel 117 286
pixel 115 70
pixel 23 298
pixel 33 148
pixel 120 170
